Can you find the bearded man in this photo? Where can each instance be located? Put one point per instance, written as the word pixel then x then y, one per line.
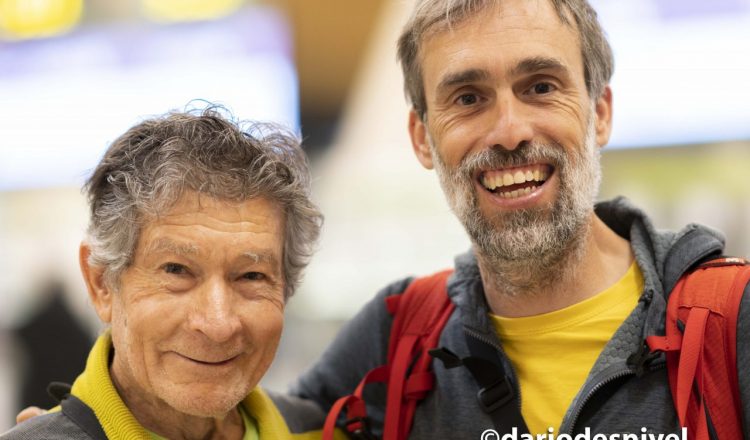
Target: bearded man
pixel 511 105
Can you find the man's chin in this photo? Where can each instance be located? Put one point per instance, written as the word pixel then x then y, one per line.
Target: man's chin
pixel 213 403
pixel 504 225
pixel 520 236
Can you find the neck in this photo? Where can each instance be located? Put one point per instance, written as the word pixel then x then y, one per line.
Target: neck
pixel 157 416
pixel 597 260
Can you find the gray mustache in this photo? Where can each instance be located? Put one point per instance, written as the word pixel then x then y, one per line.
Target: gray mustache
pixel 498 157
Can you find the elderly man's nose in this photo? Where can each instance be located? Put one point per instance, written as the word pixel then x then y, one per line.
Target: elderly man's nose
pixel 214 312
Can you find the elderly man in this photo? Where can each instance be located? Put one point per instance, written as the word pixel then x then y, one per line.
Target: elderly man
pixel 511 106
pixel 199 232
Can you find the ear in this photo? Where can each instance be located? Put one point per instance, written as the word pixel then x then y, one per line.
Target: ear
pixel 418 134
pixel 604 117
pixel 99 293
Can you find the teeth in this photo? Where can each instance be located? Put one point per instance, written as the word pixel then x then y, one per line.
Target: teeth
pixel 497 179
pixel 517 193
pixel 488 183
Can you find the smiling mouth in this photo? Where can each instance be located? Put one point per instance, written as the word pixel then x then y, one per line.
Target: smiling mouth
pixel 516 182
pixel 212 363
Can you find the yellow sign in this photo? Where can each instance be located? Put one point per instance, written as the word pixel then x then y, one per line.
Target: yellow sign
pixel 188 10
pixel 21 19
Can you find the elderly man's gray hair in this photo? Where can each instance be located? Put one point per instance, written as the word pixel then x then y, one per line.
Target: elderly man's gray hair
pixel 146 170
pixel 438 15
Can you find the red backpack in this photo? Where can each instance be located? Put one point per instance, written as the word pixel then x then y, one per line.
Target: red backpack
pixel 706 300
pixel 701 348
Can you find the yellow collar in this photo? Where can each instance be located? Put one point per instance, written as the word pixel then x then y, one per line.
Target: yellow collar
pixel 95 388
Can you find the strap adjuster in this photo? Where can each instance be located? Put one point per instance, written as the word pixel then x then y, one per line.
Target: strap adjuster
pixel 495 396
pixel 447 357
pixel 58 390
pixel 361 428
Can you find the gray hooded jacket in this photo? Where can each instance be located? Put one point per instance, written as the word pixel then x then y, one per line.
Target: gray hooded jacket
pixel 622 394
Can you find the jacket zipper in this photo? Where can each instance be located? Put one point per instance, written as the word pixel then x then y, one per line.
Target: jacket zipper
pixel 599 386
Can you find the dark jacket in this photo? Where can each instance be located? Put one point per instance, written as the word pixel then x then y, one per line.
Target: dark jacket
pixel 624 391
pixel 75 420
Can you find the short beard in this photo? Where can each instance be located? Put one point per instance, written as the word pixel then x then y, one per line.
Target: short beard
pixel 527 251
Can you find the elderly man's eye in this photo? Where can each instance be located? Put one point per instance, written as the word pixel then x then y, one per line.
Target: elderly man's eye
pixel 174 269
pixel 254 276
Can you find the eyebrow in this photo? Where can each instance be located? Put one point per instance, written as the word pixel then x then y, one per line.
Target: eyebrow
pixel 265 257
pixel 262 256
pixel 462 77
pixel 167 245
pixel 536 64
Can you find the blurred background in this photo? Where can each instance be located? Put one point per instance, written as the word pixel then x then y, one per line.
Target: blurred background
pixel 74 74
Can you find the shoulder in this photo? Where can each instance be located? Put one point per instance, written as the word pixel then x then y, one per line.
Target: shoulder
pixel 300 415
pixel 375 313
pixel 50 426
pixel 285 417
pixel 395 288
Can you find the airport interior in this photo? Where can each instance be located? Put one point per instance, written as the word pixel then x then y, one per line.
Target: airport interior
pixel 74 74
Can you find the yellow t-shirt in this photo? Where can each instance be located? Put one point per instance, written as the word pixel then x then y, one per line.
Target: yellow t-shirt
pixel 553 353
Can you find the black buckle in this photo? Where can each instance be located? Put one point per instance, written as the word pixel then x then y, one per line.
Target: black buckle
pixel 361 433
pixel 495 396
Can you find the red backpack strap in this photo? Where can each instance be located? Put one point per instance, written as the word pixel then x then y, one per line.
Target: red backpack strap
pixel 419 315
pixel 701 348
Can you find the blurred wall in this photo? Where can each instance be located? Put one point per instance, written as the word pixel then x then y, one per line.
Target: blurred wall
pixel 693 183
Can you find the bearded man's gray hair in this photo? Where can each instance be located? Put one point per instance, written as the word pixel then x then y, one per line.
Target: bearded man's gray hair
pixel 147 169
pixel 432 16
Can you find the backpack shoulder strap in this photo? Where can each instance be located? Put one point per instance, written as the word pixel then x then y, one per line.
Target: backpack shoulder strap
pixel 83 416
pixel 417 311
pixel 419 315
pixel 77 411
pixel 700 345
